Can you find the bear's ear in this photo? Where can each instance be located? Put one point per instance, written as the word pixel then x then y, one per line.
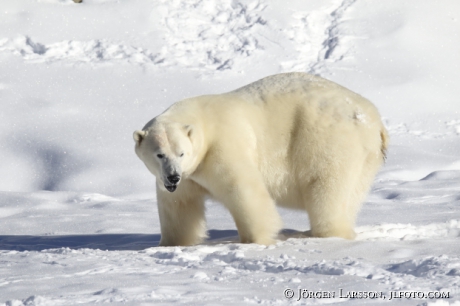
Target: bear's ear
pixel 139 136
pixel 188 130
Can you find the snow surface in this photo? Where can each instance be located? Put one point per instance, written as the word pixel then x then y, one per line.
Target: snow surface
pixel 78 218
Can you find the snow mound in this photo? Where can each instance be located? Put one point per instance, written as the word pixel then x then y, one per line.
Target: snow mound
pixel 440 186
pixel 210 35
pixel 92 197
pixel 408 231
pixel 426 267
pixel 448 128
pixel 98 51
pixel 318 38
pixel 444 175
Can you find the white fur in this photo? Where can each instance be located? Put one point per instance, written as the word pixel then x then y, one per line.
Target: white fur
pixel 292 139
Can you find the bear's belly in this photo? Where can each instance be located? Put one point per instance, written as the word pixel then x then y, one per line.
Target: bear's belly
pixel 284 189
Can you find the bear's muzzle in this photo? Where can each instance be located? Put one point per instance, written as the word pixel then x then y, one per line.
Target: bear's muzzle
pixel 171 188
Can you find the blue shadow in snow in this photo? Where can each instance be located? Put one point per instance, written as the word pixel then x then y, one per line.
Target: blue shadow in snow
pixel 117 242
pixel 110 242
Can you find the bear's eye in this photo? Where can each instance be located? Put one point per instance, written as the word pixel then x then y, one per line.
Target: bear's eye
pixel 160 156
pixel 182 154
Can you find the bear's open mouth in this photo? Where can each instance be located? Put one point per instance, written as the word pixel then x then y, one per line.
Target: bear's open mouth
pixel 171 188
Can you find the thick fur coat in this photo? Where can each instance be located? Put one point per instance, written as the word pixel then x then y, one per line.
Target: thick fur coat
pixel 293 139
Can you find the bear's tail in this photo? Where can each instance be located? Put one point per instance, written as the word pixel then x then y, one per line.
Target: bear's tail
pixel 385 141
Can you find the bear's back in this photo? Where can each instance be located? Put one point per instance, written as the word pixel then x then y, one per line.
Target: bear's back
pixel 283 84
pixel 317 99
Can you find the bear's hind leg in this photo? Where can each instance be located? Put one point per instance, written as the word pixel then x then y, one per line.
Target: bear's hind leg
pixel 332 208
pixel 182 215
pixel 334 199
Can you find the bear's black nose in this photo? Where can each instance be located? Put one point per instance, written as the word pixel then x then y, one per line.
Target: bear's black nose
pixel 174 179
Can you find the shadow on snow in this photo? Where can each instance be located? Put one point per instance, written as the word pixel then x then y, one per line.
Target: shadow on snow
pixel 110 242
pixel 116 242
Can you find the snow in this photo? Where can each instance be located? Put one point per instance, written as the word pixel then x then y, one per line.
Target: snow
pixel 78 218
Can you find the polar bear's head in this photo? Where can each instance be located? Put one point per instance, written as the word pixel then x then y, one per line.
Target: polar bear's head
pixel 166 149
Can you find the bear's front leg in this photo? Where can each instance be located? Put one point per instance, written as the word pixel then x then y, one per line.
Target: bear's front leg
pixel 244 194
pixel 181 214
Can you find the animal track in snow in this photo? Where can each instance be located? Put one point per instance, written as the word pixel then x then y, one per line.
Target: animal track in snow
pixel 316 44
pixel 210 35
pixel 99 51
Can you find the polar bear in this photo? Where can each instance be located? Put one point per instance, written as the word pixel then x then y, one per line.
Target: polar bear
pixel 292 139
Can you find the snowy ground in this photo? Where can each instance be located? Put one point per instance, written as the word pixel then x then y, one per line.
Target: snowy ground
pixel 78 220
